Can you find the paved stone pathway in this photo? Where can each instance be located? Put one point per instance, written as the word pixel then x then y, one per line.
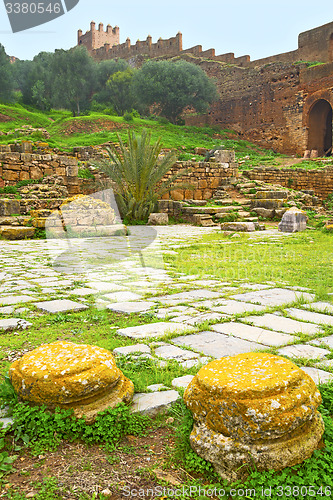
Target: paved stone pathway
pixel 194 318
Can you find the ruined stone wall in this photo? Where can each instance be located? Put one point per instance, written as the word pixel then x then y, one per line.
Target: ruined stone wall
pixel 16 167
pixel 319 180
pixel 203 176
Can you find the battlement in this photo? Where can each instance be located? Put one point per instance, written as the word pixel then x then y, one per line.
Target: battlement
pixel 95 38
pixel 313 45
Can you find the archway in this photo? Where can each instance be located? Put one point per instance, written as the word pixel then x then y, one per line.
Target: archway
pixel 320 127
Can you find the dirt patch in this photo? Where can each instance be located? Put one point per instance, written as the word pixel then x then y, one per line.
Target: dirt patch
pixel 78 469
pixel 5 118
pixel 90 126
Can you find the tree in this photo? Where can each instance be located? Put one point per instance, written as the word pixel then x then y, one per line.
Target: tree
pixel 73 75
pixel 6 77
pixel 174 86
pixel 34 79
pixel 119 89
pixel 136 170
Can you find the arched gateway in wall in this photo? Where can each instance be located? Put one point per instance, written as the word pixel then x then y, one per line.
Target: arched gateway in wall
pixel 320 127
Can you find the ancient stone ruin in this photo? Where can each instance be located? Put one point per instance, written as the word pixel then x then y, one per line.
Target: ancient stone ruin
pixel 253 410
pixel 66 375
pixel 283 102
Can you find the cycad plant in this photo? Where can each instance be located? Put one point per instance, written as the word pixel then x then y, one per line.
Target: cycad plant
pixel 136 172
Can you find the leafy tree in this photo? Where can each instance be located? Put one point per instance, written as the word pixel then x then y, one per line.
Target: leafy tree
pixel 136 171
pixel 107 68
pixel 119 89
pixel 174 86
pixel 6 78
pixel 34 79
pixel 73 75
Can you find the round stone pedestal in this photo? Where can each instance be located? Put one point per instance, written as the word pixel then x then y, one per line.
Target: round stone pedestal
pixel 67 375
pixel 253 411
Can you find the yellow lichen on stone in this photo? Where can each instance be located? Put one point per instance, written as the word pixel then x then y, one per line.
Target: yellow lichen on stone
pixel 257 404
pixel 68 375
pixel 259 395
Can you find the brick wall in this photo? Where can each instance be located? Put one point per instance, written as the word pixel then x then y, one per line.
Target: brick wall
pixel 16 167
pixel 320 180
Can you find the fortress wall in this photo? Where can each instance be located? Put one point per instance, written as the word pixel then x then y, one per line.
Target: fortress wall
pixel 264 105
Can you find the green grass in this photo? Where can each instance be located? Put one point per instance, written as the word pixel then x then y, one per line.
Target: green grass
pixel 293 259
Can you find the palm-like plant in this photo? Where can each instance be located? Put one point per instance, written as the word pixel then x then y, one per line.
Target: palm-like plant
pixel 136 171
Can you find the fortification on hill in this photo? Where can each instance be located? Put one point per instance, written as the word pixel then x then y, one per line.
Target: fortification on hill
pixel 283 102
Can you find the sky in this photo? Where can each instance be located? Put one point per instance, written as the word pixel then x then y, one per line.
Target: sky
pixel 257 28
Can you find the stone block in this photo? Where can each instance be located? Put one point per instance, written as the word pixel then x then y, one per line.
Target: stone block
pixel 16 232
pixel 238 226
pixel 293 220
pixel 9 207
pixel 158 219
pixel 256 409
pixel 66 375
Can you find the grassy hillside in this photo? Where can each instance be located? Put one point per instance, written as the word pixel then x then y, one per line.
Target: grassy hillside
pixel 66 132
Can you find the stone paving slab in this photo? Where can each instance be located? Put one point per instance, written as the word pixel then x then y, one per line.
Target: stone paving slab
pixel 151 330
pixel 216 345
pixel 254 334
pixel 273 297
pixel 82 292
pixel 122 296
pixel 324 341
pixel 102 286
pixel 236 307
pixel 187 296
pixel 131 349
pixel 303 351
pixel 282 324
pixel 182 382
pixel 154 402
pixel 14 323
pixel 61 305
pixel 200 318
pixel 203 360
pixel 15 299
pixel 312 317
pixel 170 351
pixel 318 376
pixel 325 307
pixel 131 307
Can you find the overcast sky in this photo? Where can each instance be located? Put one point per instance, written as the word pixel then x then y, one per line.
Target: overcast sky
pixel 259 27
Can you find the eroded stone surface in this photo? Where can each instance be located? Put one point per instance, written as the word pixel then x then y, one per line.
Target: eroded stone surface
pixel 67 375
pixel 253 405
